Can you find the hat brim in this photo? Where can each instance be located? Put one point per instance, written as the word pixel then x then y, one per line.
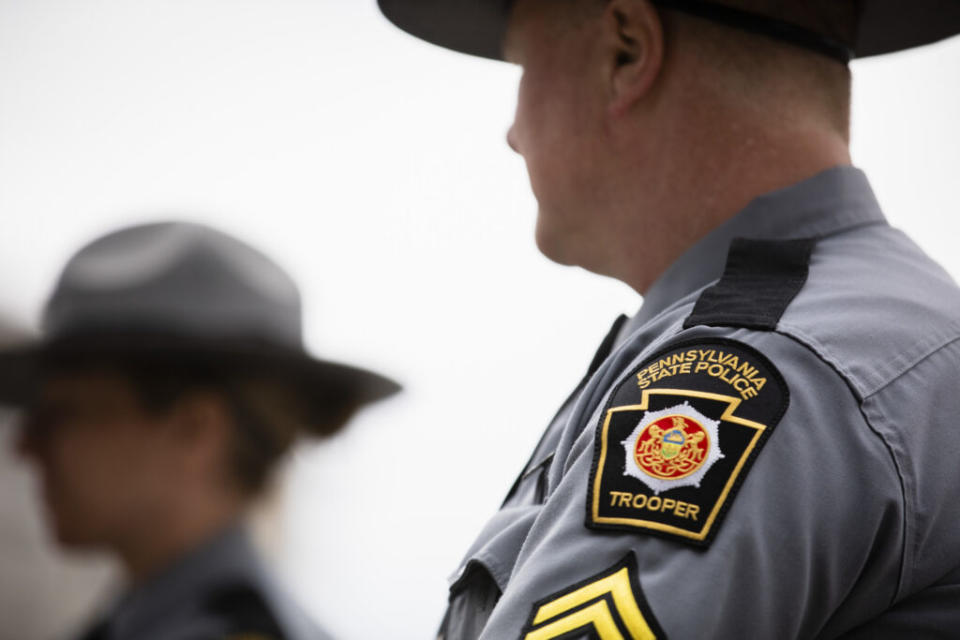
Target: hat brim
pixel 329 391
pixel 478 27
pixel 887 26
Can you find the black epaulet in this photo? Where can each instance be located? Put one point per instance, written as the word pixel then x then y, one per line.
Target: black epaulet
pixel 245 613
pixel 760 280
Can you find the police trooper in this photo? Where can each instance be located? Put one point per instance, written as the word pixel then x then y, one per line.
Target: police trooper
pixel 768 448
pixel 169 381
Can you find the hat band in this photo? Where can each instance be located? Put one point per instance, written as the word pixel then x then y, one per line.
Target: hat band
pixel 763 25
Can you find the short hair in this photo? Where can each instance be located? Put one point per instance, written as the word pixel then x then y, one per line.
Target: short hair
pixel 267 415
pixel 751 66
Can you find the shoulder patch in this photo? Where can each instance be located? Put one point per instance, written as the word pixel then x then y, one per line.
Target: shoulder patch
pixel 609 606
pixel 679 436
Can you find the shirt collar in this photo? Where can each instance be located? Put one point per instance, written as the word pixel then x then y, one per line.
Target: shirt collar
pixel 228 554
pixel 830 202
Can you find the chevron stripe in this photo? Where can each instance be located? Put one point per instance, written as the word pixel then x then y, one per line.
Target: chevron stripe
pixel 606 604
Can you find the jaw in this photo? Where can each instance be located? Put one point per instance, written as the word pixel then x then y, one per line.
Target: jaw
pixel 574 243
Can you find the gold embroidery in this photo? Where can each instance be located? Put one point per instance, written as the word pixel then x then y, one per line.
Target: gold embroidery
pixel 728 415
pixel 567 613
pixel 743 376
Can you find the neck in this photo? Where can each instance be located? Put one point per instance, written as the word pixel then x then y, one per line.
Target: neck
pixel 163 540
pixel 728 162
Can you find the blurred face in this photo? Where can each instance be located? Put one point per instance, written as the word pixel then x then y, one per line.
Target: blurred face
pixel 103 461
pixel 558 123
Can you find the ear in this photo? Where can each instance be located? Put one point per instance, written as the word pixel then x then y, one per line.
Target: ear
pixel 634 37
pixel 201 423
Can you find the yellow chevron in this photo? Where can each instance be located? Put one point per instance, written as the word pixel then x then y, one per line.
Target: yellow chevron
pixel 562 620
pixel 598 614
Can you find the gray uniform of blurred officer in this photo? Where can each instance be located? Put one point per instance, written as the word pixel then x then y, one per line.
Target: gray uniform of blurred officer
pixel 769 448
pixel 170 380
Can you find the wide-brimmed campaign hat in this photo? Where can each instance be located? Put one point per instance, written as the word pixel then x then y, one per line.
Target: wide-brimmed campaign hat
pixel 183 295
pixel 839 28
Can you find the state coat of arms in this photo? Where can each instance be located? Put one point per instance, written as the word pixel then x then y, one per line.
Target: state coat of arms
pixel 672 447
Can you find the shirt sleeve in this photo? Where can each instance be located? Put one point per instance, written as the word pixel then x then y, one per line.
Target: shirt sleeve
pixel 805 537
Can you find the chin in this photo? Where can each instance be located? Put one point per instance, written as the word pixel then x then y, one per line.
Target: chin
pixel 67 536
pixel 73 533
pixel 554 245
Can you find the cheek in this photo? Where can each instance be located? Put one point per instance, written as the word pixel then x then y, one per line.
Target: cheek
pixel 538 107
pixel 535 136
pixel 94 480
pixel 552 129
pixel 79 468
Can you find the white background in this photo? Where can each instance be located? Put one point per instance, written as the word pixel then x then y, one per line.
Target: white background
pixel 374 168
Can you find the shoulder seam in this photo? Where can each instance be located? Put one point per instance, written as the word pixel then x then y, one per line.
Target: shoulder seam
pixel 893 457
pixel 944 344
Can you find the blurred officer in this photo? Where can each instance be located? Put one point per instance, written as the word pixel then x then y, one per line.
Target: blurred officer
pixel 35 572
pixel 170 380
pixel 769 448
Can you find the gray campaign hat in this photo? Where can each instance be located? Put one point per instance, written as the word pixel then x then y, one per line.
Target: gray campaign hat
pixel 478 27
pixel 183 294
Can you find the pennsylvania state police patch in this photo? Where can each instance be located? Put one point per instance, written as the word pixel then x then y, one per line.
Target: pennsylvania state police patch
pixel 678 437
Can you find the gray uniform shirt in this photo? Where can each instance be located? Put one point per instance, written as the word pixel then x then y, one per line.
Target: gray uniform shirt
pixel 216 592
pixel 843 523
